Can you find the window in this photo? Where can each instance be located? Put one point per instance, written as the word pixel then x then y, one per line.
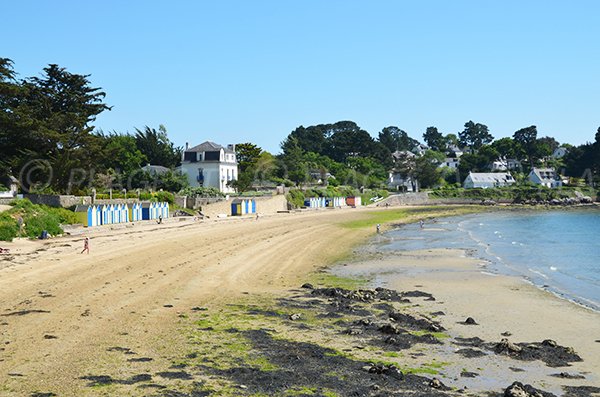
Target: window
pixel 212 156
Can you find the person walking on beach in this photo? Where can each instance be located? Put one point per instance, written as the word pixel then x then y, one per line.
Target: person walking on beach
pixel 86 245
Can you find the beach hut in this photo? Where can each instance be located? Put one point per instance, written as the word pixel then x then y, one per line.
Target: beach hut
pixel 165 210
pixel 147 211
pixel 104 214
pixel 135 212
pixel 88 215
pixel 354 201
pixel 238 207
pixel 123 213
pixel 117 213
pixel 250 206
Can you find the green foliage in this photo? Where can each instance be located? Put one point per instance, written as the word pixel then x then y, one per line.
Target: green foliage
pixel 162 196
pixel 201 192
pixel 434 139
pixel 8 227
pixel 157 147
pixel 475 135
pixel 50 118
pixel 36 218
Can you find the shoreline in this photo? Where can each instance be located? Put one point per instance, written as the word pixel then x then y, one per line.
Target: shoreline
pixel 197 309
pixel 459 277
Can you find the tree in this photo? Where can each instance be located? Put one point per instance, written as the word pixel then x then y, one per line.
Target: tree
pixel 434 139
pixel 427 171
pixel 247 155
pixel 311 139
pixel 157 147
pixel 120 153
pixel 507 148
pixel 348 140
pixel 396 139
pixel 475 135
pixel 49 118
pixel 294 166
pixel 527 137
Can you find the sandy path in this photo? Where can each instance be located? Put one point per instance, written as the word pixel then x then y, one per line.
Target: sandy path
pixel 116 296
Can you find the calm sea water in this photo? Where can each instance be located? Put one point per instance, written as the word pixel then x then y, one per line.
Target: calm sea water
pixel 556 250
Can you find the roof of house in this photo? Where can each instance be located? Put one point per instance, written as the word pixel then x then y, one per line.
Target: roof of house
pixel 493 177
pixel 544 174
pixel 155 169
pixel 400 153
pixel 208 146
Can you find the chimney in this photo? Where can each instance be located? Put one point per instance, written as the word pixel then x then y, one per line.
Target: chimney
pixel 231 147
pixel 187 145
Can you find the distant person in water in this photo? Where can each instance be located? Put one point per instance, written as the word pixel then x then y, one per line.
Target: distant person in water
pixel 86 245
pixel 422 223
pixel 378 228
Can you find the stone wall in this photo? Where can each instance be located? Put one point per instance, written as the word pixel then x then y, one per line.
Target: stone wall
pixel 52 200
pixel 264 206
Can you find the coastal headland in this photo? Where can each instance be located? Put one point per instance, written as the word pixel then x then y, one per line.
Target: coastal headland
pixel 249 307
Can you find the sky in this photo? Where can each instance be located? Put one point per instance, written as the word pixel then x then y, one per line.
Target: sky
pixel 253 71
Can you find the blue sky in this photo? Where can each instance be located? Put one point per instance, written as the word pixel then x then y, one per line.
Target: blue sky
pixel 236 71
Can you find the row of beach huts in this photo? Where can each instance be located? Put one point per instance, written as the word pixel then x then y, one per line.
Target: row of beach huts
pixel 110 214
pixel 332 202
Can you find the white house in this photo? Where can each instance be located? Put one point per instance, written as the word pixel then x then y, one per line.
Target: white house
pixel 398 182
pixel 503 164
pixel 12 184
pixel 560 152
pixel 210 165
pixel 488 180
pixel 451 162
pixel 545 176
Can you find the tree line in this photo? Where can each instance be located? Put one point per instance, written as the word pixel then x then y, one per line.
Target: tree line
pixel 48 140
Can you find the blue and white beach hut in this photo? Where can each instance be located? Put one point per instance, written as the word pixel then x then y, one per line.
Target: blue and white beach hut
pixel 104 214
pixel 135 212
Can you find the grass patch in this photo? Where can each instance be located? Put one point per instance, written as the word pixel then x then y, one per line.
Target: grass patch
pixel 409 214
pixel 36 218
pixel 437 335
pixel 331 280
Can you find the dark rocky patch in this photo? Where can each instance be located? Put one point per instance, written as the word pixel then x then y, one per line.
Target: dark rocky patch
pixel 439 313
pixel 308 365
pixel 48 336
pixel 120 349
pixel 414 323
pixel 566 375
pixel 139 359
pixel 470 342
pixel 517 389
pixel 547 351
pixel 182 375
pixel 38 394
pixel 471 353
pixel 469 321
pixel 104 380
pixel 515 369
pixel 199 309
pixel 24 312
pixel 467 374
pixel 581 391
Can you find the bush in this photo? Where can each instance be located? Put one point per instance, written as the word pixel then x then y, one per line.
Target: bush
pixel 296 198
pixel 163 196
pixel 201 192
pixel 8 227
pixel 36 218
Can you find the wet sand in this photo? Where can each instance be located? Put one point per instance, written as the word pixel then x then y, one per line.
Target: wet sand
pixel 500 305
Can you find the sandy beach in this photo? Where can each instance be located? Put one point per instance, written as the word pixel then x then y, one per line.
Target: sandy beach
pixel 126 310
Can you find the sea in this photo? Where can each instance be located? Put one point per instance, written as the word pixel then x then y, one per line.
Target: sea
pixel 557 250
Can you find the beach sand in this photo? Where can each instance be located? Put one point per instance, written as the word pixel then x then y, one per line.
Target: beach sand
pixel 499 304
pixel 63 314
